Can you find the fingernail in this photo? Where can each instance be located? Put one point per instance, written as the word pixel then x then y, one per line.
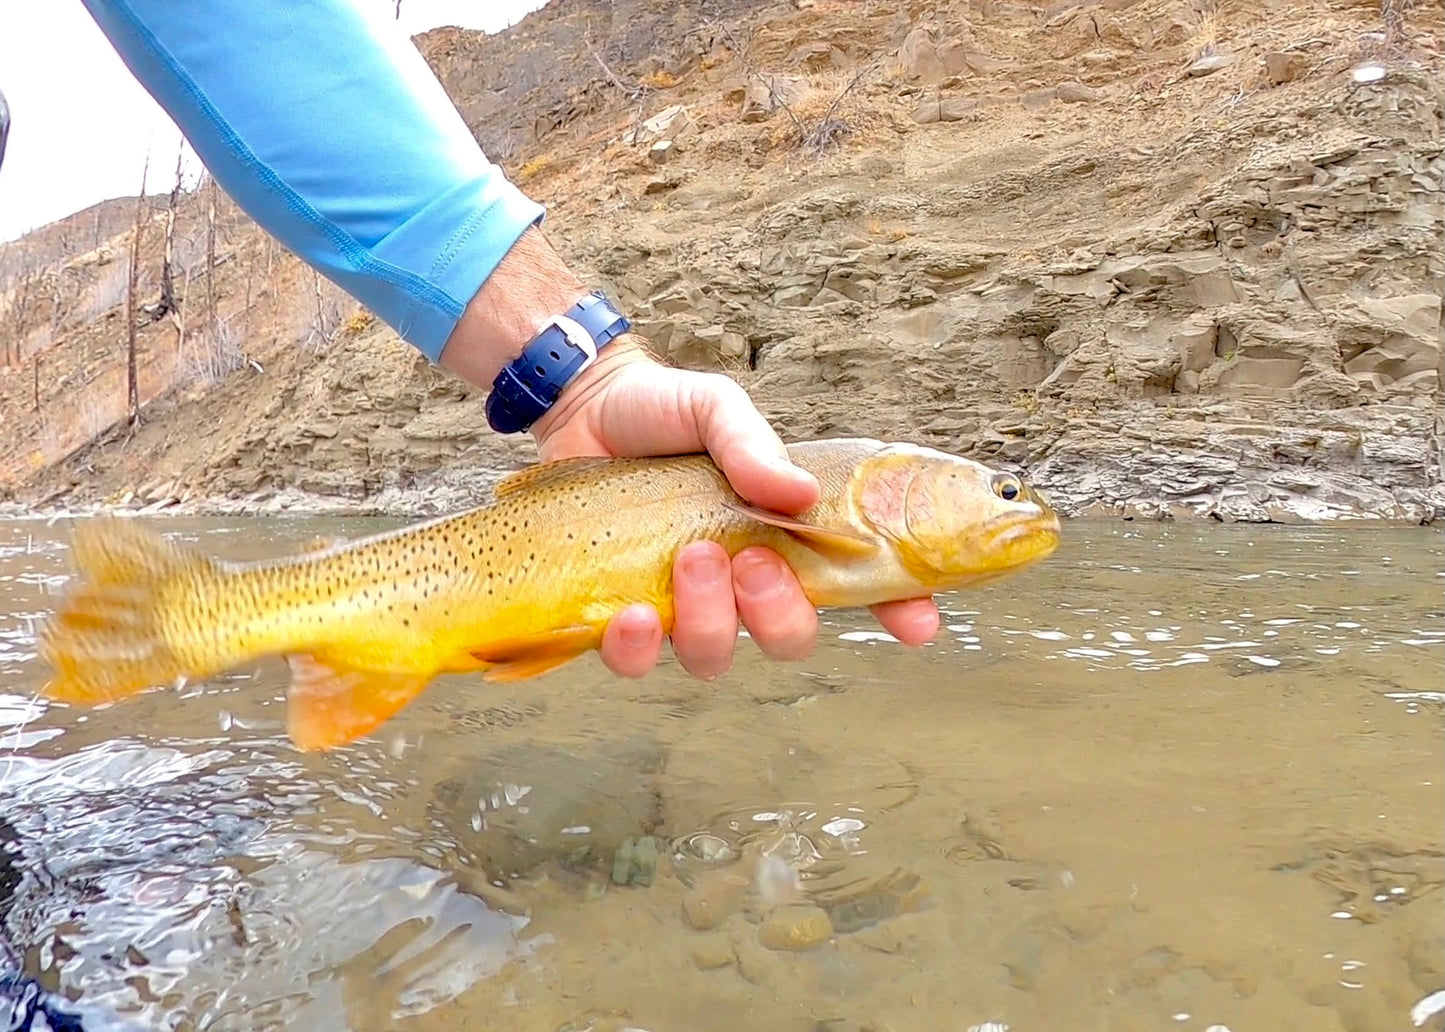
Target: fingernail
pixel 757 575
pixel 704 571
pixel 637 637
pixel 789 469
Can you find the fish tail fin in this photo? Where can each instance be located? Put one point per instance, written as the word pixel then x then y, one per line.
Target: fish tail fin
pixel 106 640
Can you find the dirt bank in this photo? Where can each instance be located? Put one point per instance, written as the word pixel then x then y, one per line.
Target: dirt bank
pixel 1169 258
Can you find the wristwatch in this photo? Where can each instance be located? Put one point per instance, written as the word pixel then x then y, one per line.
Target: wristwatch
pixel 527 387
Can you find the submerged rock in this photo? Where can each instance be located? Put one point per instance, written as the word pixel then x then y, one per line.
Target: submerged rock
pixel 592 804
pixel 798 926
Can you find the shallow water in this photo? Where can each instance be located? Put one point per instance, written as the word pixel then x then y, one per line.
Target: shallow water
pixel 1177 777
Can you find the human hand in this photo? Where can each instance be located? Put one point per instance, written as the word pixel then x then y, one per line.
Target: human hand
pixel 628 404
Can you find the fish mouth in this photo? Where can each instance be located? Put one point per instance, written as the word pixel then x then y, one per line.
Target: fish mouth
pixel 1019 538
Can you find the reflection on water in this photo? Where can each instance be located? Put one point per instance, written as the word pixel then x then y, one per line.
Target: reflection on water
pixel 1177 777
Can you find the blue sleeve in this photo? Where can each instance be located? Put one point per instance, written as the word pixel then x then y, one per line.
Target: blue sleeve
pixel 329 129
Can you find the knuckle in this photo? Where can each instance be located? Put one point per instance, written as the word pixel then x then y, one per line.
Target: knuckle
pixel 785 632
pixel 705 646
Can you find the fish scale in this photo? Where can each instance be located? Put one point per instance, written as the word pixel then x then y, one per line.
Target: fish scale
pixel 524 583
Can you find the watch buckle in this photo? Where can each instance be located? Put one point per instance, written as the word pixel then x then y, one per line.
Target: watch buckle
pixel 578 337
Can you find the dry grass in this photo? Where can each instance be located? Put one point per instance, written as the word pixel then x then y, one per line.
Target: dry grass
pixel 1205 40
pixel 533 168
pixel 878 231
pixel 357 323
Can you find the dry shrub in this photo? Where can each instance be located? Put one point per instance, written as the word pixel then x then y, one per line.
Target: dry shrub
pixel 210 357
pixel 317 312
pixel 106 293
pixel 831 109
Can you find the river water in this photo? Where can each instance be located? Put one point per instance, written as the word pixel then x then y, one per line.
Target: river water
pixel 1176 777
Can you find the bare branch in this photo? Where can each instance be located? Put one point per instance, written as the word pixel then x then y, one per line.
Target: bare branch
pixel 636 92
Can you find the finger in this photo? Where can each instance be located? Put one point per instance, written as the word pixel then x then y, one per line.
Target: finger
pixel 912 621
pixel 773 607
pixel 632 642
pixel 747 449
pixel 705 631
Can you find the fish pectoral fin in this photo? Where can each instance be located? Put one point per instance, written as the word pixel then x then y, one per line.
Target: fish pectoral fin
pixel 331 704
pixel 516 659
pixel 837 541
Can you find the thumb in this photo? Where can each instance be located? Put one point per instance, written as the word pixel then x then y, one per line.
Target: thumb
pixel 747 450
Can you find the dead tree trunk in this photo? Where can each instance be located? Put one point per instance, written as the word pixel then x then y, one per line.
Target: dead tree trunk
pixel 56 301
pixel 211 260
pixel 168 303
pixel 132 384
pixel 19 312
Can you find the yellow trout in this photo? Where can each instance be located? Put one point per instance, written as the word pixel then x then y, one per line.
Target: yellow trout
pixel 523 584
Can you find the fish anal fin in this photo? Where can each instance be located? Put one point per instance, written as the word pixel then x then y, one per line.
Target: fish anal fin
pixel 837 541
pixel 330 704
pixel 544 473
pixel 517 659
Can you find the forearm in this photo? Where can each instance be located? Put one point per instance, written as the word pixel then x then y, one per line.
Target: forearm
pixel 333 134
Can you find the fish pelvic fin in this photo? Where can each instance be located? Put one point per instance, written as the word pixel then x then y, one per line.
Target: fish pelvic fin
pixel 519 659
pixel 331 704
pixel 106 640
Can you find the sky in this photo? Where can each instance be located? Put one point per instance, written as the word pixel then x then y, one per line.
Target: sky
pixel 81 125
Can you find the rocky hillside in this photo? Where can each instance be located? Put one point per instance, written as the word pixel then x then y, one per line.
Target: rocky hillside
pixel 1169 257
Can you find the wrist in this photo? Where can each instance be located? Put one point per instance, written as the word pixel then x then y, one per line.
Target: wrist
pixel 529 286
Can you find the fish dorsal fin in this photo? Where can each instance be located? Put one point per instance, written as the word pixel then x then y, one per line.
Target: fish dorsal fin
pixel 322 543
pixel 841 542
pixel 516 659
pixel 546 473
pixel 330 704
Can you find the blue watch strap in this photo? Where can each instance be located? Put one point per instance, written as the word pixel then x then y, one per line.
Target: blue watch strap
pixel 530 385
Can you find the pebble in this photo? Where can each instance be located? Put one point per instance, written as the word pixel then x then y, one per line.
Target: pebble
pixel 798 926
pixel 713 897
pixel 636 861
pixel 1209 64
pixel 710 956
pixel 1282 66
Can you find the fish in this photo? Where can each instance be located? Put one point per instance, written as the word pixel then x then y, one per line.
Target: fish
pixel 520 585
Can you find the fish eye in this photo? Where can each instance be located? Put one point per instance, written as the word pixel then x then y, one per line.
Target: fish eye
pixel 1007 487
